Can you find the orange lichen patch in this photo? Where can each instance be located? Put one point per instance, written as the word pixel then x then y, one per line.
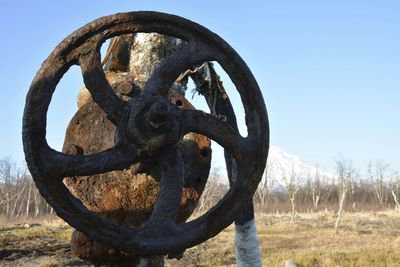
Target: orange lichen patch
pixel 204 146
pixel 97 253
pixel 189 200
pixel 189 194
pixel 117 77
pixel 114 199
pixel 134 205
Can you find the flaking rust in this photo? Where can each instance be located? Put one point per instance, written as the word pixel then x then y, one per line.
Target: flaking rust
pixel 136 154
pixel 127 196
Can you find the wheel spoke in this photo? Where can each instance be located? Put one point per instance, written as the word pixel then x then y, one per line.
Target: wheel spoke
pixel 198 121
pixel 60 165
pixel 98 86
pixel 250 152
pixel 171 186
pixel 162 78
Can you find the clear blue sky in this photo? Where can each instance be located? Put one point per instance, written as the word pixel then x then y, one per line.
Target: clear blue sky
pixel 329 70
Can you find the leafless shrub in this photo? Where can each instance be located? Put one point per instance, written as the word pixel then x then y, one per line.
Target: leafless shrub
pixel 215 189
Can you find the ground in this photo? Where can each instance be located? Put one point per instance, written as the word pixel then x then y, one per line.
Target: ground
pixel 365 239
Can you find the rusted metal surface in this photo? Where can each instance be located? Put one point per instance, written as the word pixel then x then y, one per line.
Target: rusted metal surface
pixel 139 137
pixel 127 196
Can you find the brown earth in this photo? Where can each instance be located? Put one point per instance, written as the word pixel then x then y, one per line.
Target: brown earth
pixel 37 246
pixel 365 239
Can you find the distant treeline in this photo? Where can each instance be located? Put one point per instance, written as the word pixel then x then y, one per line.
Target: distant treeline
pixel 380 190
pixel 18 193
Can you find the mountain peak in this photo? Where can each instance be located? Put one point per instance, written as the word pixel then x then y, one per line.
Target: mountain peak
pixel 281 164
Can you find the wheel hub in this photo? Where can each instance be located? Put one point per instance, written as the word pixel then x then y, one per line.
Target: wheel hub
pixel 150 124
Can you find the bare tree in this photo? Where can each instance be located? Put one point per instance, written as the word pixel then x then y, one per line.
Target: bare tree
pixel 37 201
pixel 7 179
pixel 395 190
pixel 265 186
pixel 213 192
pixel 345 173
pixel 28 199
pixel 316 189
pixel 292 186
pixel 17 190
pixel 397 207
pixel 377 173
pixel 17 195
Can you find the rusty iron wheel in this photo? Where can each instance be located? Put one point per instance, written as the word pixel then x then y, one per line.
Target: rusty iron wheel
pixel 146 125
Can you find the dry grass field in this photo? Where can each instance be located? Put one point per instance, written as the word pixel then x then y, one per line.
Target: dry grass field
pixel 366 239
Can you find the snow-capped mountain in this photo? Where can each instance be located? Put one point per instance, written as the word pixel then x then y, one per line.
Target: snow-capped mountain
pixel 282 164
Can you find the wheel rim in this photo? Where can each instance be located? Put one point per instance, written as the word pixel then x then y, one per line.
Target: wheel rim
pixel 250 152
